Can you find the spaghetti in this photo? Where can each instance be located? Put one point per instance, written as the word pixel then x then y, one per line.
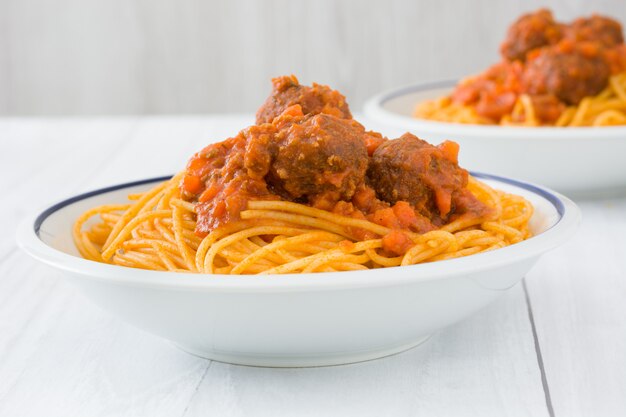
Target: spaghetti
pixel 155 231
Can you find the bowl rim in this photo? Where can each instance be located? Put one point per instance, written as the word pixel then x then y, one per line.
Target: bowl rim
pixel 374 109
pixel 28 239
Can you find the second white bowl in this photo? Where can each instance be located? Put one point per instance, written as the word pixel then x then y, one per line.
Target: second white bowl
pixel 580 160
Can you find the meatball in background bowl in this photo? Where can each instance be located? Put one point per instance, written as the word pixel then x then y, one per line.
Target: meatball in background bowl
pixel 573 160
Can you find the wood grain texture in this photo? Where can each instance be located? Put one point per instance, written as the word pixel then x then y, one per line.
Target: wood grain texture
pixel 61 356
pixel 485 366
pixel 4 59
pixel 578 295
pixel 197 56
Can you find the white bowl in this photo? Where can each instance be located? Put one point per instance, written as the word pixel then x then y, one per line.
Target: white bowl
pixel 299 319
pixel 580 160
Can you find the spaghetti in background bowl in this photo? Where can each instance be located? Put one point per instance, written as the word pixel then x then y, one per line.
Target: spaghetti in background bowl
pixel 579 160
pixel 297 319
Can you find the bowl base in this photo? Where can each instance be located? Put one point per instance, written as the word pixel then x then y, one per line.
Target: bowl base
pixel 286 361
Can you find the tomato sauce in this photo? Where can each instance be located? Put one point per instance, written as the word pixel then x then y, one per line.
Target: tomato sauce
pixel 555 64
pixel 328 160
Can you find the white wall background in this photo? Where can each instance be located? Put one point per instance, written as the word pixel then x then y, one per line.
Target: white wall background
pixel 199 56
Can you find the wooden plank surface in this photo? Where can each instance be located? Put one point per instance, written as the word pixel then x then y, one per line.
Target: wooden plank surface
pixel 197 56
pixel 61 356
pixel 579 298
pixel 485 366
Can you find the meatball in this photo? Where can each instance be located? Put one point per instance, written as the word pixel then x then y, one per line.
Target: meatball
pixel 604 30
pixel 412 170
pixel 529 32
pixel 570 74
pixel 322 159
pixel 313 100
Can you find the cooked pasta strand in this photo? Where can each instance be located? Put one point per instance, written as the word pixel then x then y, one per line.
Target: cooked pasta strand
pixel 157 231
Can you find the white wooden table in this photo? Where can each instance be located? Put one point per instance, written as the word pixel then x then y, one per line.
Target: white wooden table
pixel 553 346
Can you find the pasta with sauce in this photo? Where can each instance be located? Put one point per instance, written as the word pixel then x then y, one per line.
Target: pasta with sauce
pixel 551 74
pixel 306 189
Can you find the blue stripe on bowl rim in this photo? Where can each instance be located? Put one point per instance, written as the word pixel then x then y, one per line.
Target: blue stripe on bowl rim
pixel 417 88
pixel 552 198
